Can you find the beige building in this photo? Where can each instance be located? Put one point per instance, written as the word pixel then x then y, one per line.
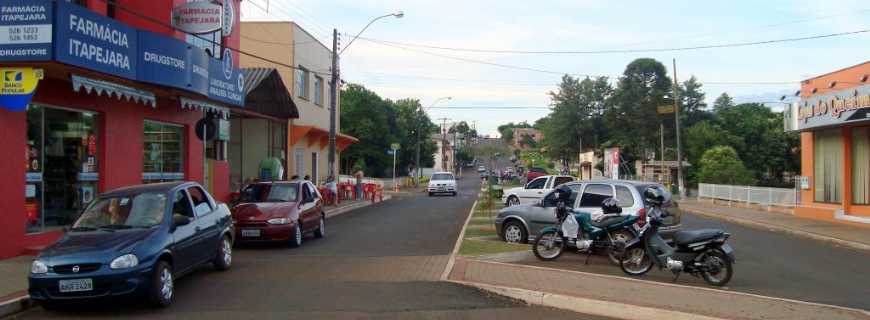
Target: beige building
pixel 307 136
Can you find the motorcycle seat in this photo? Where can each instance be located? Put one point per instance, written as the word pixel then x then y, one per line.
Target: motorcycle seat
pixel 692 236
pixel 607 221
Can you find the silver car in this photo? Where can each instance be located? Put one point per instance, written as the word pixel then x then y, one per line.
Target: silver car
pixel 519 223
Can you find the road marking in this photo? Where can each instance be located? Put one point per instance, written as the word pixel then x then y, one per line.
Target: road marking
pixel 452 260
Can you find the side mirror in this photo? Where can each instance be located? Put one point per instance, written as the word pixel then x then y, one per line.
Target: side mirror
pixel 180 220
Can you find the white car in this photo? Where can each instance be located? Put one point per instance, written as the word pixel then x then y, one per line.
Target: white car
pixel 442 182
pixel 534 190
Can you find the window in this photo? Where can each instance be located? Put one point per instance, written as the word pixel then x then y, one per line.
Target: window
pixel 537 183
pixel 318 91
pixel 210 42
pixel 442 176
pixel 861 165
pixel 181 205
pixel 575 191
pixel 142 210
pixel 306 194
pixel 278 192
pixel 201 204
pixel 549 200
pixel 314 194
pixel 279 140
pixel 828 159
pixel 595 194
pixel 562 180
pixel 163 152
pixel 624 196
pixel 302 83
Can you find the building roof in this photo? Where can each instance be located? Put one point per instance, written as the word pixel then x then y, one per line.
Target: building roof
pixel 835 71
pixel 266 93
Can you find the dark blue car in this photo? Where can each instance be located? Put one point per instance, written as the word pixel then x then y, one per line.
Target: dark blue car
pixel 135 241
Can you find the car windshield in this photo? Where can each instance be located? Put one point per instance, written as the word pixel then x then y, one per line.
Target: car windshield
pixel 442 176
pixel 278 192
pixel 130 211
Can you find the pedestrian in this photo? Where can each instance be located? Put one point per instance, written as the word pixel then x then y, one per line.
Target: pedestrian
pixel 307 178
pixel 332 190
pixel 359 177
pixel 295 177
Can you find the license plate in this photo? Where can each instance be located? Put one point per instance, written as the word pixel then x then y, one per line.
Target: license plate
pixel 250 233
pixel 76 285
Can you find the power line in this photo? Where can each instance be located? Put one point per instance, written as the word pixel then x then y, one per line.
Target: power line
pixel 616 51
pixel 491 108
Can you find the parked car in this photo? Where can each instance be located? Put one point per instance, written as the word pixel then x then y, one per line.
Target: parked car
pixel 481 169
pixel 535 172
pixel 534 190
pixel 518 223
pixel 135 240
pixel 442 182
pixel 279 211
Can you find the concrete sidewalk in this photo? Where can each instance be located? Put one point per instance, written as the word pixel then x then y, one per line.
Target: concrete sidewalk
pixel 840 234
pixel 632 298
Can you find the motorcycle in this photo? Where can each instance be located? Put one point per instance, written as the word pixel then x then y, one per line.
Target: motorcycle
pixel 701 252
pixel 608 234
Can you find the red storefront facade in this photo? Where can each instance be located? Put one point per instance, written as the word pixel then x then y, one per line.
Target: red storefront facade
pixel 57 174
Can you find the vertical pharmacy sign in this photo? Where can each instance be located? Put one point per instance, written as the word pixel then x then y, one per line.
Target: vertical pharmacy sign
pixel 25 30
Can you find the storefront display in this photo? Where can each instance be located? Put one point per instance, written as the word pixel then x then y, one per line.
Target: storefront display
pixel 163 152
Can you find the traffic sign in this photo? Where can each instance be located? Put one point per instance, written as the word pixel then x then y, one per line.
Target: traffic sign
pixel 394 146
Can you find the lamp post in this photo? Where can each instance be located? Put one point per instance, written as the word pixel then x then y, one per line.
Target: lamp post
pixel 419 128
pixel 333 86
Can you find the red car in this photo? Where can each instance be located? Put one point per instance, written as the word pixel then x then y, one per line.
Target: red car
pixel 534 173
pixel 279 211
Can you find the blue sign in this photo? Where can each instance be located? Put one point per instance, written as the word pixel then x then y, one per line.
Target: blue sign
pixel 25 30
pixel 226 83
pixel 89 40
pixel 162 60
pixel 199 67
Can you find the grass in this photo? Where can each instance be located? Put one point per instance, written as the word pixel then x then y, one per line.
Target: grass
pixel 481 225
pixel 473 247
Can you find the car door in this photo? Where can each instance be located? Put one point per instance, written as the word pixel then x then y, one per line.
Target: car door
pixel 306 206
pixel 313 212
pixel 184 237
pixel 543 214
pixel 593 195
pixel 207 223
pixel 533 191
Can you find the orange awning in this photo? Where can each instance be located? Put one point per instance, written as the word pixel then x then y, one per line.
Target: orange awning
pixel 320 136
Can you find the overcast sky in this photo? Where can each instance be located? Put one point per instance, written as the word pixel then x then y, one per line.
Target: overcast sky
pixel 401 71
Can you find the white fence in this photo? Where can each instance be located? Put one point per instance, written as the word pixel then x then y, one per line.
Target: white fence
pixel 749 195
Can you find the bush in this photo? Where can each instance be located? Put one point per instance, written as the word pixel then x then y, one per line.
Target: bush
pixel 721 165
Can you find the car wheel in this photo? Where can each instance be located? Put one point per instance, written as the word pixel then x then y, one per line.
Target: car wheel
pixel 321 229
pixel 296 241
pixel 224 258
pixel 513 201
pixel 50 305
pixel 163 285
pixel 514 232
pixel 454 193
pixel 430 194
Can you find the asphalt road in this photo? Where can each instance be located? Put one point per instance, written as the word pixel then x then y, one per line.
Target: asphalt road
pixel 768 263
pixel 382 262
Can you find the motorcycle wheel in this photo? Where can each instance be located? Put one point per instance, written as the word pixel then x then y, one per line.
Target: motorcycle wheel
pixel 635 261
pixel 721 268
pixel 620 235
pixel 549 246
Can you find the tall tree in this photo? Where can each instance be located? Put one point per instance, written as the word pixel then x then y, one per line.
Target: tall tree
pixel 721 165
pixel 575 120
pixel 724 101
pixel 693 109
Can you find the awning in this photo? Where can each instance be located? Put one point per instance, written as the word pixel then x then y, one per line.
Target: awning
pixel 265 93
pixel 187 103
pixel 317 135
pixel 110 88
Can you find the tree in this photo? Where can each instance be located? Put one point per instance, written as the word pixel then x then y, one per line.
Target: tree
pixel 724 101
pixel 700 137
pixel 576 116
pixel 765 147
pixel 507 130
pixel 693 109
pixel 721 165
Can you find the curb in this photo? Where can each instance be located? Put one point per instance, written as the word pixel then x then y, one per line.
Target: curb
pixel 343 210
pixel 452 260
pixel 587 306
pixel 15 305
pixel 799 233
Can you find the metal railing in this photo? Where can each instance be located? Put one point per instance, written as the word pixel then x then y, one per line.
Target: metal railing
pixel 750 195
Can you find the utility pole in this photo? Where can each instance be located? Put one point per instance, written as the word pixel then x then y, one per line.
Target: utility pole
pixel 679 144
pixel 443 142
pixel 662 132
pixel 417 164
pixel 333 88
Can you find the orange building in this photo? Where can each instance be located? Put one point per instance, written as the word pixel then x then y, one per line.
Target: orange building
pixel 833 117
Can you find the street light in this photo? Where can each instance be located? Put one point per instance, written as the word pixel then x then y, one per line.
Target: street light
pixel 419 120
pixel 333 85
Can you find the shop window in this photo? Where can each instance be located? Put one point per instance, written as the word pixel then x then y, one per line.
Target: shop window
pixel 62 169
pixel 828 165
pixel 278 148
pixel 861 165
pixel 163 152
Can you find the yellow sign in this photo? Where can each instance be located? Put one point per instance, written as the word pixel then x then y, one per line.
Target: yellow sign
pixel 665 109
pixel 17 86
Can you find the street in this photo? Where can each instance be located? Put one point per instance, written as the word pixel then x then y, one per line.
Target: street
pixel 382 261
pixel 768 263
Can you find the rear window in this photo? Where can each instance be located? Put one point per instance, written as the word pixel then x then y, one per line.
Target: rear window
pixel 442 176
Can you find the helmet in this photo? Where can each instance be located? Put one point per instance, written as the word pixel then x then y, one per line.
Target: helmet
pixel 654 196
pixel 611 205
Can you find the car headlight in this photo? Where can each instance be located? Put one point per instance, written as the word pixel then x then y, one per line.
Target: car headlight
pixel 125 261
pixel 279 221
pixel 38 267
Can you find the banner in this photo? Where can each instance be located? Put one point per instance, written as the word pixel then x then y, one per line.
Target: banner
pixel 89 40
pixel 17 86
pixel 25 30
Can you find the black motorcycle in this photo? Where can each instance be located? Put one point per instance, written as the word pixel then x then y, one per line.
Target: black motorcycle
pixel 701 253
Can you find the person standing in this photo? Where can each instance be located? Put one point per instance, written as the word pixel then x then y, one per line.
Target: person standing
pixel 332 190
pixel 359 177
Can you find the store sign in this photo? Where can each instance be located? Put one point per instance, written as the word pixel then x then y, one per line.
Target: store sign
pixel 840 107
pixel 89 40
pixel 25 30
pixel 162 60
pixel 197 17
pixel 226 83
pixel 229 18
pixel 666 109
pixel 17 86
pixel 223 130
pixel 200 63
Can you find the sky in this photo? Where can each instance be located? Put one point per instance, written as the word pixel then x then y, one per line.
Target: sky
pixel 750 74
